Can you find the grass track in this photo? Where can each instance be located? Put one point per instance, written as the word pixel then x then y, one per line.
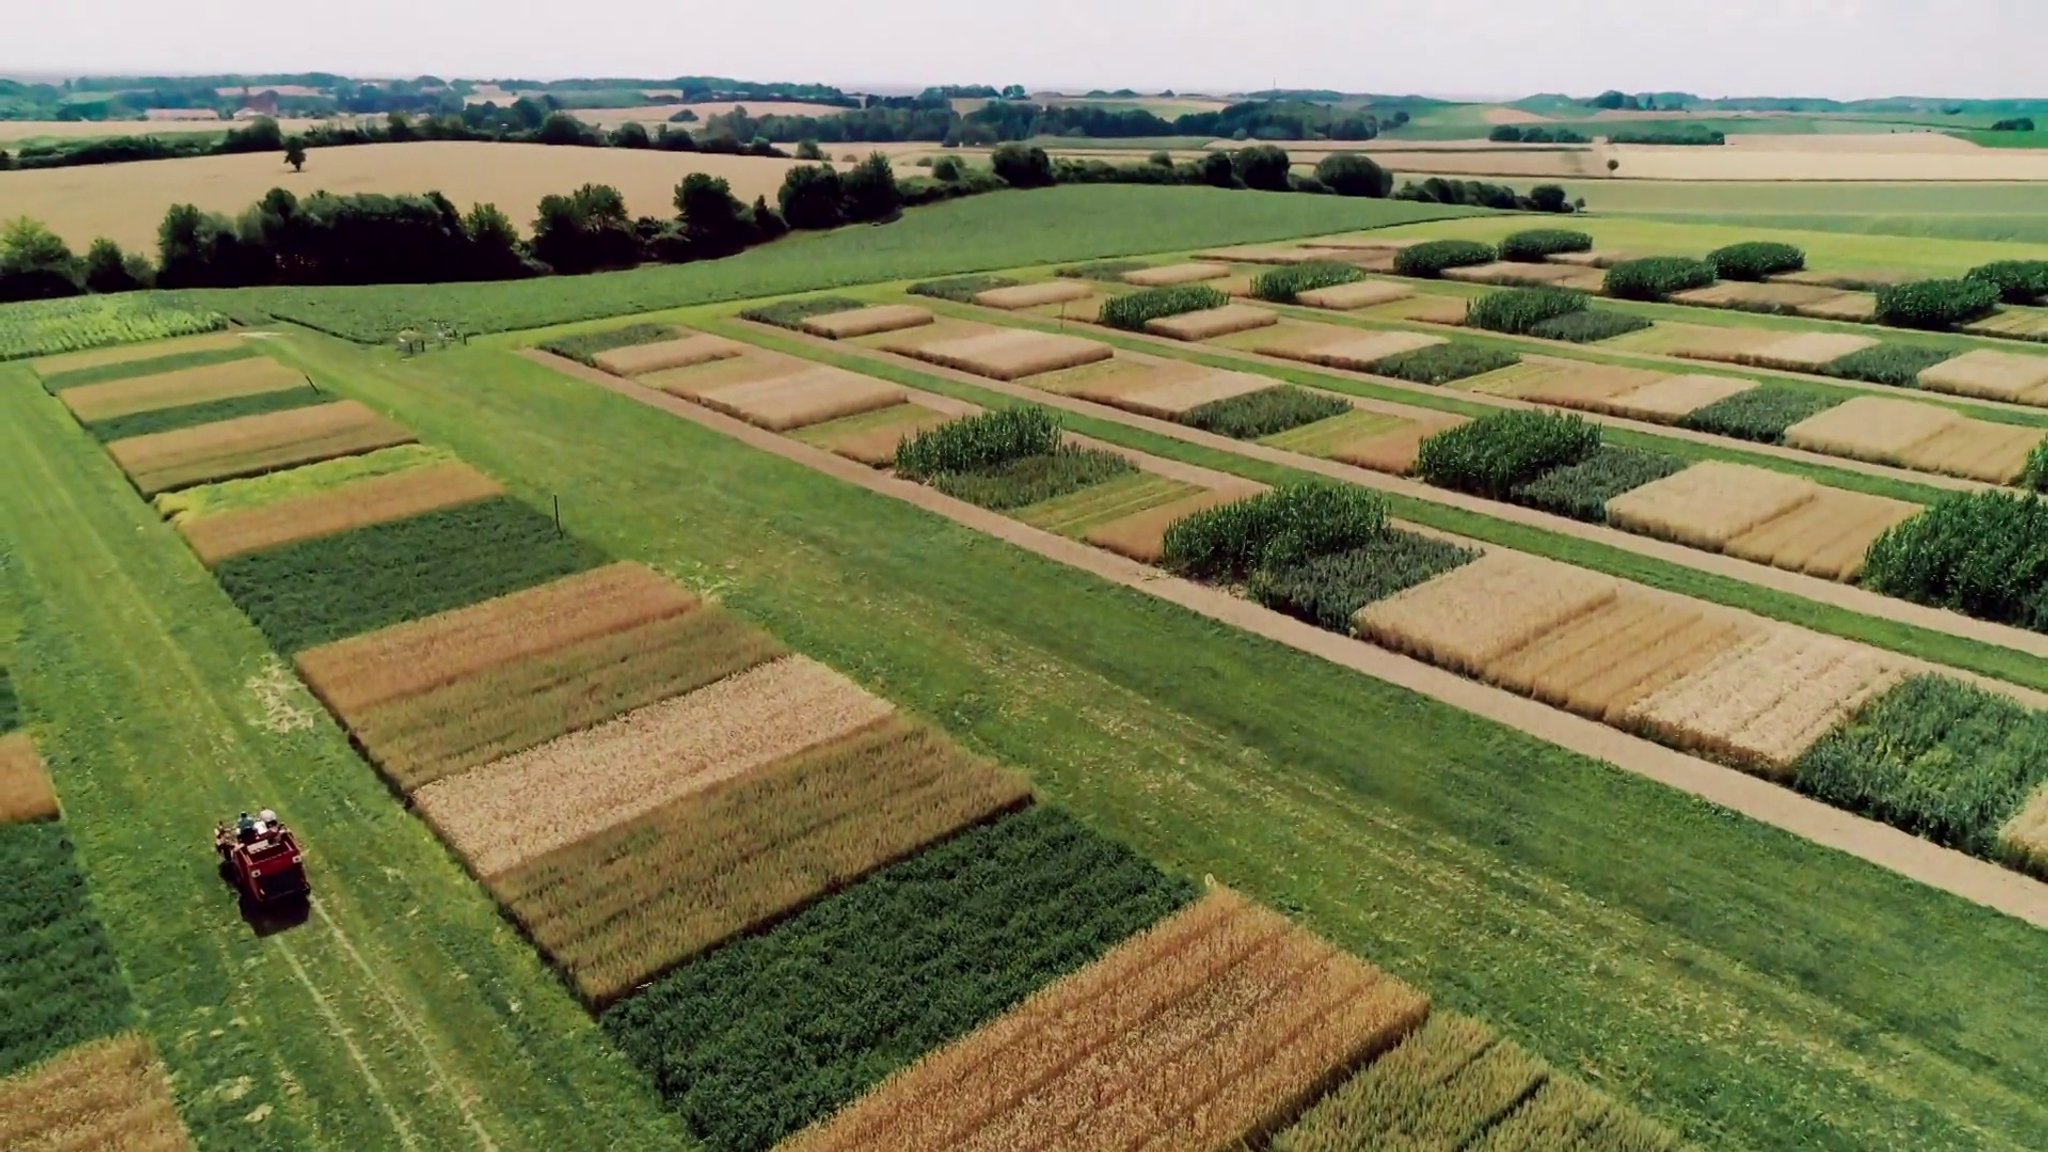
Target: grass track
pixel 1753 989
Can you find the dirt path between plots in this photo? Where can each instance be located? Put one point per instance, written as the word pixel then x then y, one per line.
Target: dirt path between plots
pixel 1844 596
pixel 1974 880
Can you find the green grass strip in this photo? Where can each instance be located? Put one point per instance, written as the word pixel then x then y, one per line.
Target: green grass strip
pixel 211 412
pixel 270 488
pixel 175 362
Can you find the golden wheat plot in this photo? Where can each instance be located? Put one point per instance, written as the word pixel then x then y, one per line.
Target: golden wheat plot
pixel 1211 323
pixel 1760 297
pixel 811 395
pixel 1352 349
pixel 25 792
pixel 50 366
pixel 2025 836
pixel 690 350
pixel 867 321
pixel 1826 537
pixel 639 898
pixel 1141 536
pixel 1515 273
pixel 1359 294
pixel 1570 383
pixel 2013 376
pixel 1599 664
pixel 1979 450
pixel 373 501
pixel 1021 296
pixel 873 437
pixel 1810 351
pixel 1484 611
pixel 1763 704
pixel 534 802
pixel 250 377
pixel 1176 398
pixel 1260 254
pixel 1708 342
pixel 1395 450
pixel 1875 428
pixel 1213 1028
pixel 1109 381
pixel 108 1096
pixel 1170 274
pixel 1710 503
pixel 252 445
pixel 1853 307
pixel 1008 354
pixel 1666 401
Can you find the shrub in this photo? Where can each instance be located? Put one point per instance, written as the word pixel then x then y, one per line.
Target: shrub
pixel 1933 305
pixel 1518 310
pixel 1984 554
pixel 1132 310
pixel 1274 529
pixel 792 313
pixel 1531 245
pixel 1262 167
pixel 1594 324
pixel 1111 271
pixel 2017 281
pixel 1761 414
pixel 584 346
pixel 1443 363
pixel 1265 412
pixel 1655 277
pixel 975 443
pixel 1430 258
pixel 1354 174
pixel 1030 479
pixel 1022 167
pixel 1755 259
pixel 1582 490
pixel 1494 453
pixel 961 289
pixel 2036 475
pixel 813 196
pixel 1899 365
pixel 1283 285
pixel 947 168
pixel 1328 591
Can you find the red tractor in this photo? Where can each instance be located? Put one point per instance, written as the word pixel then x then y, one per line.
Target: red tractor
pixel 262 859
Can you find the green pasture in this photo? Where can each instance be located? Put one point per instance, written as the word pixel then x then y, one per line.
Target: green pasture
pixel 2013 212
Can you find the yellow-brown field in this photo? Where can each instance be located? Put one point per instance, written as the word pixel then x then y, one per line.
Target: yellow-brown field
pixel 2018 377
pixel 1710 503
pixel 2025 836
pixel 1141 536
pixel 873 437
pixel 1926 437
pixel 1211 323
pixel 108 1096
pixel 1395 449
pixel 1827 537
pixel 1482 612
pixel 1331 346
pixel 1515 274
pixel 1803 352
pixel 127 201
pixel 14 131
pixel 1213 1028
pixel 867 321
pixel 683 352
pixel 1568 383
pixel 1600 664
pixel 1173 399
pixel 25 791
pixel 808 396
pixel 1668 400
pixel 1168 274
pixel 251 377
pixel 128 353
pixel 372 501
pixel 1020 296
pixel 1360 294
pixel 253 445
pixel 1005 354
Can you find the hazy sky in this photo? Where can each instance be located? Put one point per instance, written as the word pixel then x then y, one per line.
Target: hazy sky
pixel 1842 48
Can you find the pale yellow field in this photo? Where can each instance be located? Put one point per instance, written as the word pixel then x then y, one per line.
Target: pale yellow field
pixel 13 130
pixel 128 201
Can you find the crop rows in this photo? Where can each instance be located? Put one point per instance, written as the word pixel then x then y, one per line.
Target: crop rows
pixel 108 1096
pixel 211 412
pixel 252 445
pixel 961 289
pixel 80 369
pixel 199 502
pixel 585 346
pixel 411 492
pixel 792 313
pixel 50 327
pixel 60 984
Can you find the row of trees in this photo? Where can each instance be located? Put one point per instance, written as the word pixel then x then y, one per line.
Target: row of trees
pixel 931 118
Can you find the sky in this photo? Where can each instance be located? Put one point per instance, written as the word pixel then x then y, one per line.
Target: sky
pixel 1470 48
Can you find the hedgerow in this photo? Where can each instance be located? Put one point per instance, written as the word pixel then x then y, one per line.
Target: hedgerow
pixel 1518 310
pixel 1328 591
pixel 962 289
pixel 1443 363
pixel 127 369
pixel 1761 414
pixel 774 1031
pixel 1282 285
pixel 1755 259
pixel 1031 479
pixel 1983 553
pixel 1495 453
pixel 1899 365
pixel 1111 271
pixel 792 313
pixel 1131 311
pixel 1934 305
pixel 59 981
pixel 1272 530
pixel 2017 281
pixel 1655 277
pixel 1589 326
pixel 1265 412
pixel 584 347
pixel 1430 258
pixel 1581 491
pixel 1531 245
pixel 1935 757
pixel 317 591
pixel 193 415
pixel 976 443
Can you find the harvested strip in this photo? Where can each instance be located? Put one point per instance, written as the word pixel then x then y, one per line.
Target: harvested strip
pixel 1664 401
pixel 1779 296
pixel 1207 1031
pixel 259 491
pixel 523 806
pixel 1076 512
pixel 867 321
pixel 1179 397
pixel 1710 503
pixel 631 902
pixel 1324 436
pixel 1213 322
pixel 1169 274
pixel 872 437
pixel 2025 838
pixel 1515 273
pixel 808 396
pixel 1876 428
pixel 1826 537
pixel 1020 296
pixel 352 675
pixel 1358 294
pixel 1810 351
pixel 1012 355
pixel 252 445
pixel 250 376
pixel 1992 375
pixel 1484 611
pixel 25 791
pixel 1854 307
pixel 393 497
pixel 1574 384
pixel 1396 451
pixel 1597 258
pixel 52 366
pixel 518 705
pixel 108 1096
pixel 1352 349
pixel 1978 449
pixel 637 359
pixel 1141 536
pixel 1109 381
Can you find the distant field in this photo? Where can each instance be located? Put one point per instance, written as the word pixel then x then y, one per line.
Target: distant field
pixel 2008 139
pixel 16 132
pixel 660 113
pixel 2009 212
pixel 1165 107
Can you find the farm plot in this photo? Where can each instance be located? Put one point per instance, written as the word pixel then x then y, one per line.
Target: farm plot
pixel 1582 490
pixel 317 591
pixel 1210 323
pixel 2012 323
pixel 2013 377
pixel 2024 839
pixel 1761 348
pixel 395 496
pixel 1673 398
pixel 1021 296
pixel 1516 274
pixel 1141 535
pixel 1353 296
pixel 25 791
pixel 550 796
pixel 99 365
pixel 1926 437
pixel 202 501
pixel 1827 537
pixel 1710 503
pixel 1761 414
pixel 773 1032
pixel 1166 275
pixel 1568 383
pixel 59 982
pixel 108 1096
pixel 1077 513
pixel 1602 662
pixel 1207 1031
pixel 1330 346
pixel 683 352
pixel 997 353
pixel 1394 449
pixel 633 901
pixel 1828 303
pixel 252 445
pixel 243 377
pixel 874 321
pixel 873 437
pixel 585 347
pixel 211 412
pixel 1484 611
pixel 40 328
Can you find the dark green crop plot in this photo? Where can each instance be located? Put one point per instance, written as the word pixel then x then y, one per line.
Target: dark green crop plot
pixel 1108 271
pixel 373 577
pixel 1899 365
pixel 584 346
pixel 1581 491
pixel 1589 326
pixel 1265 412
pixel 211 412
pixel 1031 479
pixel 774 1031
pixel 175 362
pixel 1761 414
pixel 961 289
pixel 1494 454
pixel 1328 591
pixel 59 983
pixel 1443 363
pixel 792 313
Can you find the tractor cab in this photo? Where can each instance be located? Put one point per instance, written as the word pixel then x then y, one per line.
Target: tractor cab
pixel 262 858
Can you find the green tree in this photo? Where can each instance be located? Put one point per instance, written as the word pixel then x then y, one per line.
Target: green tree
pixel 1020 166
pixel 108 269
pixel 809 150
pixel 714 221
pixel 812 197
pixel 871 191
pixel 295 153
pixel 35 263
pixel 1263 167
pixel 494 244
pixel 631 134
pixel 1354 174
pixel 947 169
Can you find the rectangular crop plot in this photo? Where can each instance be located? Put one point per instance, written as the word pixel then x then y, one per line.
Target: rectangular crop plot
pixel 372 501
pixel 635 900
pixel 1710 503
pixel 1571 383
pixel 318 591
pixel 1666 401
pixel 1075 513
pixel 1876 428
pixel 59 982
pixel 2024 839
pixel 1599 664
pixel 773 1032
pixel 1169 274
pixel 1769 297
pixel 1211 323
pixel 1358 294
pixel 1208 1031
pixel 52 369
pixel 638 359
pixel 2011 376
pixel 248 376
pixel 1484 611
pixel 25 791
pixel 872 437
pixel 1510 273
pixel 1977 449
pixel 1177 397
pixel 1804 352
pixel 867 321
pixel 1020 296
pixel 1351 349
pixel 1002 354
pixel 534 802
pixel 1826 537
pixel 1394 450
pixel 1141 536
pixel 808 395
pixel 109 1096
pixel 253 445
pixel 205 500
